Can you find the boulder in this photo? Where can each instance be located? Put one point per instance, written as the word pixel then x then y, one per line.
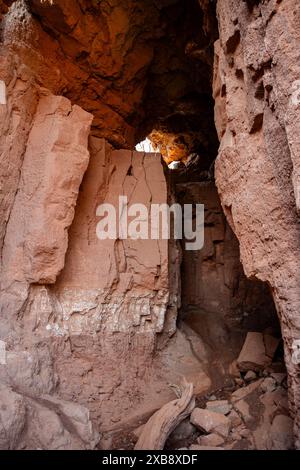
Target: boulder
pixel 243 409
pixel 241 393
pixel 274 404
pixel 282 433
pixel 183 431
pixel 235 419
pixel 47 423
pixel 76 415
pixel 268 384
pixel 54 424
pixel 209 421
pixel 219 406
pixel 250 375
pixel 257 352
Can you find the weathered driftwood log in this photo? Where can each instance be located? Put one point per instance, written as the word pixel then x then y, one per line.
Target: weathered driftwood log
pixel 165 420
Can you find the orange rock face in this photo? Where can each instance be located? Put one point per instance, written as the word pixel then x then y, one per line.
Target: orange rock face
pixel 4 4
pixel 109 300
pixel 88 326
pixel 110 297
pixel 55 160
pixel 125 63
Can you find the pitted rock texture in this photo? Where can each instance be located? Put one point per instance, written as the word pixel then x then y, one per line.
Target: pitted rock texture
pixel 256 92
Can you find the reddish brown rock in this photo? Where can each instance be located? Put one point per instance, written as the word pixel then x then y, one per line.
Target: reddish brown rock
pixel 274 403
pixel 257 352
pixel 243 392
pixel 12 418
pixel 268 385
pixel 54 164
pixel 19 98
pixel 209 421
pixel 282 433
pixel 256 101
pixel 101 56
pixel 233 370
pixel 131 288
pixel 242 407
pixel 279 377
pixel 250 376
pixel 211 440
pixel 234 419
pixel 219 406
pixel 68 425
pixel 22 424
pixel 214 287
pixel 108 292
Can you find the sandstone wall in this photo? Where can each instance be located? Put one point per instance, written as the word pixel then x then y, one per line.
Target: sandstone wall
pixel 123 61
pixel 256 88
pixel 112 296
pixel 4 4
pixel 80 316
pixel 44 155
pixel 219 305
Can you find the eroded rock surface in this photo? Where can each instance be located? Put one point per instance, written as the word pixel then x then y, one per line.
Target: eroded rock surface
pixel 81 318
pixel 124 62
pixel 44 423
pixel 54 163
pixel 258 351
pixel 256 91
pixel 91 309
